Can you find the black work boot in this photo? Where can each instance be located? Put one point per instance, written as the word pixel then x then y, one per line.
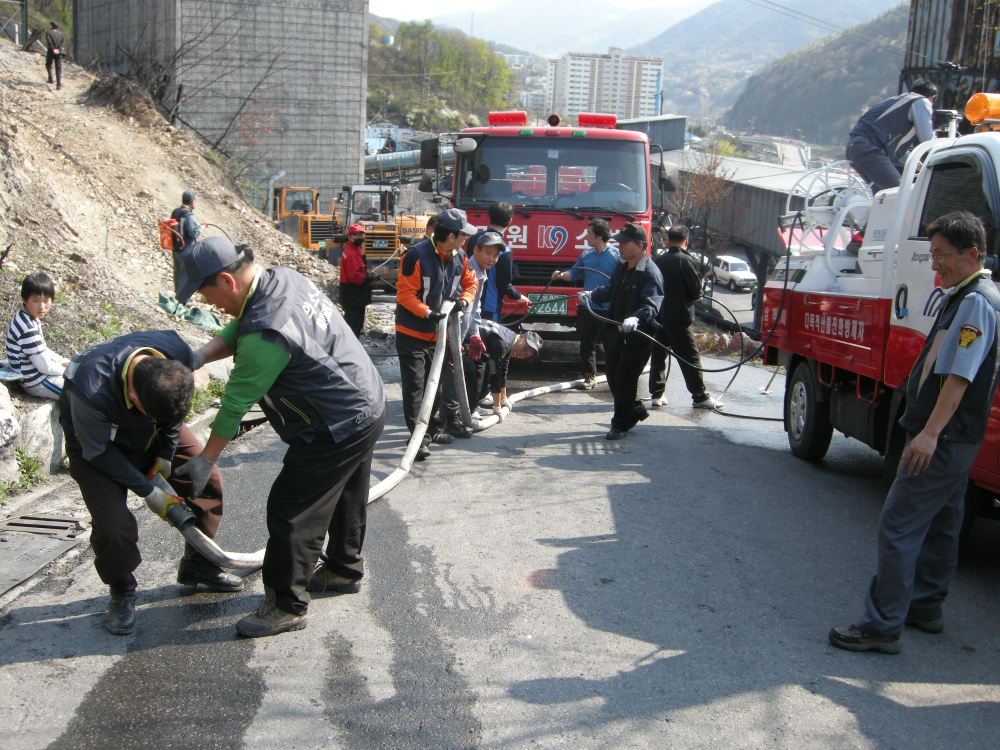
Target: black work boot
pixel 324 580
pixel 121 608
pixel 195 569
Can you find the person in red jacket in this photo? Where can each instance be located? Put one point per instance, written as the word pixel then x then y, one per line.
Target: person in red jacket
pixel 355 281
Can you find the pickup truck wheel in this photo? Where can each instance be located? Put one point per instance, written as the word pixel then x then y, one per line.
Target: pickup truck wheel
pixel 809 428
pixel 732 285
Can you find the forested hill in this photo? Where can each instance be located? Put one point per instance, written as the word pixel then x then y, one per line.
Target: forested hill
pixel 821 90
pixel 708 57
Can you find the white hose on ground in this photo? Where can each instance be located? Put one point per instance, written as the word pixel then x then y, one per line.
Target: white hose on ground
pixel 254 560
pixel 430 390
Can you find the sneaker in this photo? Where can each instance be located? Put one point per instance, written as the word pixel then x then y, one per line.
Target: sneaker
pixel 852 639
pixel 195 570
pixel 615 434
pixel 442 437
pixel 121 613
pixel 324 580
pixel 928 626
pixel 269 620
pixel 423 453
pixel 589 382
pixel 659 403
pixel 487 403
pixel 706 403
pixel 455 428
pixel 481 412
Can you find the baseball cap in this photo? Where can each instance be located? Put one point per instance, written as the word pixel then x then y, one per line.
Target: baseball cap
pixel 204 258
pixel 533 340
pixel 188 196
pixel 631 232
pixel 455 220
pixel 489 238
pixel 355 228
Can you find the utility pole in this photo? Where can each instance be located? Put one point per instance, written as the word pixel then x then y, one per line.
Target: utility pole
pixel 24 23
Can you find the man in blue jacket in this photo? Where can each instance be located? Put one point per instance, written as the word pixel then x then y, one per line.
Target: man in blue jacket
pixel 595 267
pixel 633 296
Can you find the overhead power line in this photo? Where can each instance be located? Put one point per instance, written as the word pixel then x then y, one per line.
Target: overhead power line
pixel 832 27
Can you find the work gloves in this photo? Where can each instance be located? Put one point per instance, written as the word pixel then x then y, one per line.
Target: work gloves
pixel 583 298
pixel 161 468
pixel 197 360
pixel 629 325
pixel 159 500
pixel 434 317
pixel 476 347
pixel 198 470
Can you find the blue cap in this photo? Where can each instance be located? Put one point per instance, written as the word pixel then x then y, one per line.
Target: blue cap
pixel 202 259
pixel 455 220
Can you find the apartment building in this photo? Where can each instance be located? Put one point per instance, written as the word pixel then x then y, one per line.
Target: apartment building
pixel 614 83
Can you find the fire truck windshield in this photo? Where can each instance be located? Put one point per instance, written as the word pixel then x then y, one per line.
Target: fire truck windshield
pixel 560 173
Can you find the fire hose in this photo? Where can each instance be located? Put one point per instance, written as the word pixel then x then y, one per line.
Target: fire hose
pixel 179 515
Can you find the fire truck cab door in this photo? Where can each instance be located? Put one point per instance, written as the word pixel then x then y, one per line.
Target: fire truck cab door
pixel 961 179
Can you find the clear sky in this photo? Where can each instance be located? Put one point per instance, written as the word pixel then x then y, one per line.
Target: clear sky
pixel 408 10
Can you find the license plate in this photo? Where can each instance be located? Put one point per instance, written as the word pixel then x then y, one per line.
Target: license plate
pixel 380 244
pixel 550 304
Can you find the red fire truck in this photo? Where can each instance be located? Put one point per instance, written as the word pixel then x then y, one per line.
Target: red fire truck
pixel 556 178
pixel 850 317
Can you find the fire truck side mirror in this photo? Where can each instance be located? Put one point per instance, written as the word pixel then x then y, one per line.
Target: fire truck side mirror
pixel 426 184
pixel 669 178
pixel 429 153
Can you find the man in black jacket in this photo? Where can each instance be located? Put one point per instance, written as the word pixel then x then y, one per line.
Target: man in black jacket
pixel 681 289
pixel 634 296
pixel 187 233
pixel 122 411
pixel 54 50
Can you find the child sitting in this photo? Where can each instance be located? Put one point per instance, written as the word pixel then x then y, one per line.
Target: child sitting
pixel 40 368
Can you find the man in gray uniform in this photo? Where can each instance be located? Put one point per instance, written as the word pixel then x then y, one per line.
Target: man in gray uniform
pixel 879 142
pixel 55 48
pixel 948 399
pixel 296 356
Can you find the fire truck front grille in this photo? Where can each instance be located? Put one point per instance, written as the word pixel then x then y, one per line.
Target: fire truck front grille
pixel 531 273
pixel 321 230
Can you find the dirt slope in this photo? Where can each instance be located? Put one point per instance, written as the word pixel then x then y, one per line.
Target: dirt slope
pixel 81 189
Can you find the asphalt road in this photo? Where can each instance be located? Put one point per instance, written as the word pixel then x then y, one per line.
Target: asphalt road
pixel 534 586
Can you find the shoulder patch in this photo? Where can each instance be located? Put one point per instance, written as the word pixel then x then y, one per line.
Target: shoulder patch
pixel 967 335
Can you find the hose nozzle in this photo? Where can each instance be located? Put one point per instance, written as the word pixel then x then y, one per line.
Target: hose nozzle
pixel 170 508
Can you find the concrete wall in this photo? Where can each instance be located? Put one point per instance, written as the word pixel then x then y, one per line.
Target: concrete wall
pixel 100 27
pixel 319 50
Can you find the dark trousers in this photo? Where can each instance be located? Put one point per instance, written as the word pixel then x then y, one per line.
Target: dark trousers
pixel 591 331
pixel 872 163
pixel 415 357
pixel 114 532
pixel 322 487
pixel 51 59
pixel 623 365
pixel 680 338
pixel 355 319
pixel 476 386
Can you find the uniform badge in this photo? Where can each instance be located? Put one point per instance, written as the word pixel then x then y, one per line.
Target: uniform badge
pixel 967 335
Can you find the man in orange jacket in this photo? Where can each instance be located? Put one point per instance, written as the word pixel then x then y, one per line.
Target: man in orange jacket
pixel 355 281
pixel 432 271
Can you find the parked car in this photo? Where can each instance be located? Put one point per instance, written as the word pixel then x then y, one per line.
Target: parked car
pixel 734 273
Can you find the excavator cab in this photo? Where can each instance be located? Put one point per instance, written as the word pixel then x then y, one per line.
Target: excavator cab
pixel 294 200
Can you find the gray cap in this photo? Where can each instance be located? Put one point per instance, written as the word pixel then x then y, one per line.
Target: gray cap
pixel 202 259
pixel 533 340
pixel 455 220
pixel 188 196
pixel 489 238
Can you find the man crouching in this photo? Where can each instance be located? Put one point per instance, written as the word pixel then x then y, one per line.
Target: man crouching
pixel 122 411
